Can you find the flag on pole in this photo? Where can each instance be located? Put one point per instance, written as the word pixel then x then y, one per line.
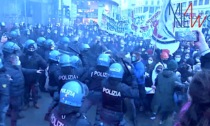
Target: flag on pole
pixel 163 34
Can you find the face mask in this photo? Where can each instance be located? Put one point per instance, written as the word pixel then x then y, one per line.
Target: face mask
pixel 187 57
pixel 197 60
pixel 95 28
pixel 150 61
pixel 18 63
pixel 188 51
pixel 133 58
pixel 28 33
pixel 140 44
pixel 177 59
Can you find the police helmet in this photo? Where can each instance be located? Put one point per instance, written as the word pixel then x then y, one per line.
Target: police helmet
pixel 3 24
pixel 72 93
pixel 30 45
pixel 40 41
pixel 116 71
pixel 103 60
pixel 49 44
pixel 13 34
pixel 85 47
pixel 75 61
pixel 10 47
pixel 54 55
pixel 65 40
pixel 65 60
pixel 75 39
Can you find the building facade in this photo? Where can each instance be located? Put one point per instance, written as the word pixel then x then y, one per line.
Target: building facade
pixel 29 11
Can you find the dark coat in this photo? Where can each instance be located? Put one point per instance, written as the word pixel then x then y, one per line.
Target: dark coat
pixel 16 73
pixel 4 91
pixel 34 61
pixel 163 100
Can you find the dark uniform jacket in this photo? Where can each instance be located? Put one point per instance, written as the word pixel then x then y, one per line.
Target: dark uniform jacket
pixel 114 94
pixel 71 119
pixel 93 78
pixel 52 72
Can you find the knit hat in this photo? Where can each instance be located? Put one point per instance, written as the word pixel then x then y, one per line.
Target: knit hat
pixel 172 65
pixel 164 55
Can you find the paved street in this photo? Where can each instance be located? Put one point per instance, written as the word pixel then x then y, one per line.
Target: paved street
pixel 34 117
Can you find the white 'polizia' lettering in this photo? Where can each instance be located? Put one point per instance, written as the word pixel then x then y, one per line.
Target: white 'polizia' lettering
pixel 100 74
pixel 69 92
pixel 55 121
pixel 112 92
pixel 68 77
pixel 114 69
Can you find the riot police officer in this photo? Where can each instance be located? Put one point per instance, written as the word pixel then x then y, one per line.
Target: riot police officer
pixel 31 60
pixel 74 46
pixel 4 93
pixel 85 55
pixel 63 44
pixel 67 111
pixel 54 66
pixel 68 70
pixel 93 78
pixel 40 46
pixel 49 45
pixel 113 94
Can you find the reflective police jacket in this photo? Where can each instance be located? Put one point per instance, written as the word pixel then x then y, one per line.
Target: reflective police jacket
pixel 71 119
pixel 93 78
pixel 114 94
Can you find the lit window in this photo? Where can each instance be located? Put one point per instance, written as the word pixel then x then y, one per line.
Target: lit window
pixel 146 2
pixel 151 10
pixel 158 2
pixel 206 2
pixel 152 3
pixel 195 2
pixel 200 2
pixel 145 9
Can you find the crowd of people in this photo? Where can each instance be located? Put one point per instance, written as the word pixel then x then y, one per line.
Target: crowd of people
pixel 82 66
